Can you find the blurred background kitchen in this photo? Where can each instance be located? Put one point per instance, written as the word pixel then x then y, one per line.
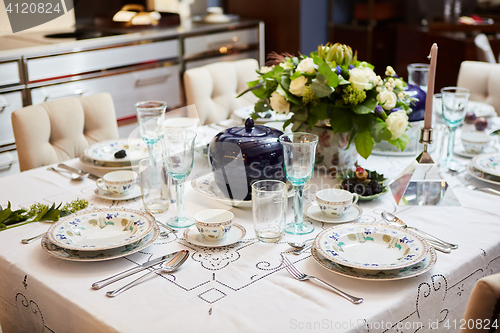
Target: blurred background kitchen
pixel 94 47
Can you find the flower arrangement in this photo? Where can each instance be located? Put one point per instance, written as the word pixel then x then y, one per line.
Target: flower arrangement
pixel 332 85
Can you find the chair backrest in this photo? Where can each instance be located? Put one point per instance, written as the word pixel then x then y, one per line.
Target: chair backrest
pixel 213 88
pixel 484 51
pixel 483 80
pixel 61 129
pixel 483 305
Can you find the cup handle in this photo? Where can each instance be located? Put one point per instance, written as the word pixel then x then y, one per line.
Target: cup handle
pixel 99 183
pixel 355 198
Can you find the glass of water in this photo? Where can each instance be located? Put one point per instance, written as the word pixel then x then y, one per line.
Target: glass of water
pixel 150 117
pixel 299 152
pixel 454 100
pixel 269 204
pixel 154 182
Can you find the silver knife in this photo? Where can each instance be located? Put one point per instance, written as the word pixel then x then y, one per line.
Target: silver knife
pixel 66 167
pixel 128 272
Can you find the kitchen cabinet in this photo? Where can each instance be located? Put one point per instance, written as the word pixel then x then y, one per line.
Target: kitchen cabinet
pixel 146 65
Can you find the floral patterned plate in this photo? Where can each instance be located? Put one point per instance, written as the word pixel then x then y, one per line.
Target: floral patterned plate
pixel 397 274
pixel 104 152
pixel 245 112
pixel 371 247
pixel 489 163
pixel 100 229
pixel 482 176
pixel 118 252
pixel 313 211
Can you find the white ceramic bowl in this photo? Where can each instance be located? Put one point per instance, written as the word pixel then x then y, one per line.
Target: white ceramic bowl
pixel 214 223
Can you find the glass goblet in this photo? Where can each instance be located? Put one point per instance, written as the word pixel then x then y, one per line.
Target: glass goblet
pixel 454 100
pixel 299 151
pixel 179 157
pixel 150 116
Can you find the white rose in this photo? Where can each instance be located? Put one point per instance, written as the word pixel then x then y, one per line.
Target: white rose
pixel 397 122
pixel 286 65
pixel 306 66
pixel 279 103
pixel 298 86
pixel 387 99
pixel 362 77
pixel 265 69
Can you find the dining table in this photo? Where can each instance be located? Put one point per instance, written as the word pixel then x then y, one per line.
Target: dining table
pixel 243 286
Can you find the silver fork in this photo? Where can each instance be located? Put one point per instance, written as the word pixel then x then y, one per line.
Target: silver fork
pixel 482 189
pixel 304 277
pixel 169 228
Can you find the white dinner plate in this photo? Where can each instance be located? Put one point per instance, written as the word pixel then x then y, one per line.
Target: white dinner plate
pixel 245 112
pixel 460 151
pixel 398 274
pixel 131 194
pixel 118 252
pixel 234 235
pixel 484 177
pixel 102 165
pixel 206 186
pixel 103 153
pixel 223 18
pixel 371 247
pixel 489 163
pixel 313 211
pixel 100 229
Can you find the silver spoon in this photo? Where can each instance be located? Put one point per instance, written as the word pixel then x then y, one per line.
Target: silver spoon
pixel 300 245
pixel 29 240
pixel 394 220
pixel 69 174
pixel 169 267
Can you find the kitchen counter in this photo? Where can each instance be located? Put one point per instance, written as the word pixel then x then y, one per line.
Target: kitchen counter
pixel 36 44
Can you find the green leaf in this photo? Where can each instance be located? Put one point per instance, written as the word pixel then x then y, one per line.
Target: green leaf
pixel 364 144
pixel 368 106
pixel 341 120
pixel 320 111
pixel 320 87
pixel 289 97
pixel 379 131
pixel 400 142
pixel 317 60
pixel 363 122
pixel 299 112
pixel 5 213
pixel 331 77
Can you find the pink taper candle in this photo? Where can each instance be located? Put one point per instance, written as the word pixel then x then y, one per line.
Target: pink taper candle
pixel 430 87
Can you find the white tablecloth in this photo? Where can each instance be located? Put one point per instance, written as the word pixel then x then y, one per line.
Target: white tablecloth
pixel 240 287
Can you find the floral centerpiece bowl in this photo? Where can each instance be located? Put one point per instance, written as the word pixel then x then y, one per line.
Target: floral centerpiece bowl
pixel 240 156
pixel 331 89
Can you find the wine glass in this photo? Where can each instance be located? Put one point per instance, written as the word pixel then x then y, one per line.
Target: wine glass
pixel 179 156
pixel 454 100
pixel 150 116
pixel 299 150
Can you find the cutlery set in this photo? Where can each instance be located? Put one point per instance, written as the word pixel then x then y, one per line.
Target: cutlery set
pixel 168 264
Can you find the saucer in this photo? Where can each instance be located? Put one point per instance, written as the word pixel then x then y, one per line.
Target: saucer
pixel 133 193
pixel 459 150
pixel 312 210
pixel 234 235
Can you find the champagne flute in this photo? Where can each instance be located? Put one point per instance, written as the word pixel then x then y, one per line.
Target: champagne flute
pixel 179 157
pixel 299 151
pixel 454 101
pixel 150 116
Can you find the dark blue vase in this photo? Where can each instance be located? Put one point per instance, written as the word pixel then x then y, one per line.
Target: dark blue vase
pixel 240 156
pixel 418 107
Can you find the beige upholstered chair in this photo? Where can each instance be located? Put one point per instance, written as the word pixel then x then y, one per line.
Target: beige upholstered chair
pixel 61 129
pixel 483 47
pixel 483 80
pixel 213 88
pixel 484 304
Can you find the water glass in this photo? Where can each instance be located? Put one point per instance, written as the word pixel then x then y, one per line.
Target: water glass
pixel 454 100
pixel 418 75
pixel 269 204
pixel 179 157
pixel 154 183
pixel 150 117
pixel 299 152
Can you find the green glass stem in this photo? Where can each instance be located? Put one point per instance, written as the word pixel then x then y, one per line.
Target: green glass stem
pixel 298 204
pixel 179 189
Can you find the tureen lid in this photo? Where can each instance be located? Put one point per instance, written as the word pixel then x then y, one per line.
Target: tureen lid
pixel 250 130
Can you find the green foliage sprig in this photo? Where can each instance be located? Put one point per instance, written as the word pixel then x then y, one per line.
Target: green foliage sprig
pixel 38 212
